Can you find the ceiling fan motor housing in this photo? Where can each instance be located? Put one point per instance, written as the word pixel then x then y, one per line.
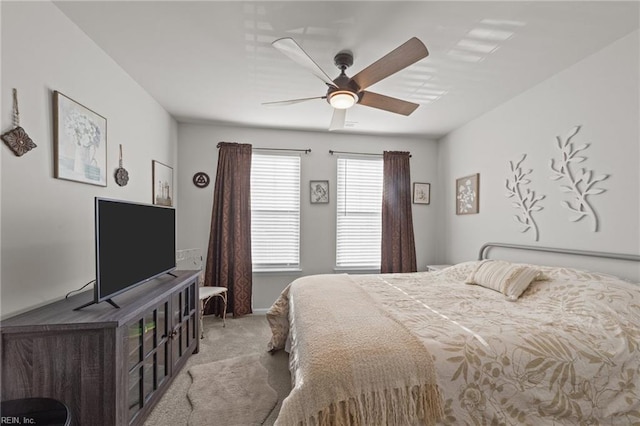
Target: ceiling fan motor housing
pixel 344 85
pixel 343 60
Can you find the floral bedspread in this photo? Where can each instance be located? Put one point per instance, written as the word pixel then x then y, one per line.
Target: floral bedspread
pixel 567 352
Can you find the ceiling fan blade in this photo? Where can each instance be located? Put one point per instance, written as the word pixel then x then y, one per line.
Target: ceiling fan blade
pixel 290 48
pixel 292 101
pixel 387 103
pixel 400 58
pixel 338 119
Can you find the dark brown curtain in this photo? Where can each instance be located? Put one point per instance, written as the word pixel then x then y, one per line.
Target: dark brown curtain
pixel 229 251
pixel 398 244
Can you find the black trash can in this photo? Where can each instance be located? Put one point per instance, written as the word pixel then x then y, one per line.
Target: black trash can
pixel 35 411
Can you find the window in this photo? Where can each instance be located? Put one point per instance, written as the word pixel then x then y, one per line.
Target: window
pixel 359 213
pixel 275 211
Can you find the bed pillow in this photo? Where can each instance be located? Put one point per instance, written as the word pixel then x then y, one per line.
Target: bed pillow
pixel 510 279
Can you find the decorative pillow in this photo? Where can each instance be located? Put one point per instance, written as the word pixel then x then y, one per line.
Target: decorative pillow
pixel 510 279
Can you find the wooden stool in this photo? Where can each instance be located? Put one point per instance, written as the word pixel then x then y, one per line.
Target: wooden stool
pixel 208 293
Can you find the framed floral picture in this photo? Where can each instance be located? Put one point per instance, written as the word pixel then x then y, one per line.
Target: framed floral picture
pixel 421 193
pixel 319 190
pixel 468 194
pixel 80 142
pixel 162 184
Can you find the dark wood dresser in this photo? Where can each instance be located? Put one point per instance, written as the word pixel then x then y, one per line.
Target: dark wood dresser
pixel 109 366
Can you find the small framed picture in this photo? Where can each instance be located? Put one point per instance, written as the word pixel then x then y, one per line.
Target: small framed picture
pixel 79 142
pixel 319 190
pixel 162 184
pixel 421 193
pixel 468 194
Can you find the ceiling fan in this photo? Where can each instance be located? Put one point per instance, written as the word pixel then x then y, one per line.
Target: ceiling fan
pixel 344 92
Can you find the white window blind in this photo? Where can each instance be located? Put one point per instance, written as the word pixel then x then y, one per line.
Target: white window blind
pixel 359 213
pixel 275 211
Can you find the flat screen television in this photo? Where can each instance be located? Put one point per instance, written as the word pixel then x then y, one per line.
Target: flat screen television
pixel 134 243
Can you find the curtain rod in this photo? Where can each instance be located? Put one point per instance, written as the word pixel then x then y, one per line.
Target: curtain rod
pixel 306 151
pixel 356 153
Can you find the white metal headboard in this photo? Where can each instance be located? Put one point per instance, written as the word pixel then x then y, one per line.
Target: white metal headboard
pixel 600 254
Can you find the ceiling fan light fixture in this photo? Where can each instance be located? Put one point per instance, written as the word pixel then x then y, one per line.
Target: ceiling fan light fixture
pixel 343 99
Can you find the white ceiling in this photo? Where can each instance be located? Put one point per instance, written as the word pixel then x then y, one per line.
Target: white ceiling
pixel 213 61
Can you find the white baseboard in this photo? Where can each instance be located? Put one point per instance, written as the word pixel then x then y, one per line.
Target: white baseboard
pixel 262 311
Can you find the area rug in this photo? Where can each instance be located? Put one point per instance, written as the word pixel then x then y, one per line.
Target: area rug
pixel 231 392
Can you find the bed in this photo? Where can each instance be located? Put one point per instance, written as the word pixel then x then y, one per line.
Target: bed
pixel 429 348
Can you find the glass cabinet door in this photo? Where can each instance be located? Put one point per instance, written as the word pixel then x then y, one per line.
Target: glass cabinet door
pixel 185 326
pixel 135 373
pixel 162 354
pixel 148 341
pixel 176 313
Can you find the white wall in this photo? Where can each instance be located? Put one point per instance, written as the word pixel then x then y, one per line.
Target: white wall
pixel 601 94
pixel 47 224
pixel 197 152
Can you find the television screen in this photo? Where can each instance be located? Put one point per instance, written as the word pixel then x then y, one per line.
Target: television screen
pixel 134 243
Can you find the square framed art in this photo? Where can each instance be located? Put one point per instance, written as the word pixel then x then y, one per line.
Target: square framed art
pixel 319 191
pixel 80 142
pixel 468 194
pixel 421 193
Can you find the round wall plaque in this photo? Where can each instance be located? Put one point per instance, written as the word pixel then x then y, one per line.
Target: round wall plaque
pixel 121 175
pixel 201 180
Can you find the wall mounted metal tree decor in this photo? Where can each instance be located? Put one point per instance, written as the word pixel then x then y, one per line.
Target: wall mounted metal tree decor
pixel 525 199
pixel 580 184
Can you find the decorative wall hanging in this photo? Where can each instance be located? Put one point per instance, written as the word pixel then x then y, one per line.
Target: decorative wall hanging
pixel 17 139
pixel 121 175
pixel 201 180
pixel 319 190
pixel 421 193
pixel 80 142
pixel 525 199
pixel 162 184
pixel 581 183
pixel 468 194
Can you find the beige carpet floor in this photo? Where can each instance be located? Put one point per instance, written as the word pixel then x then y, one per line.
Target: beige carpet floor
pixel 242 336
pixel 233 391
